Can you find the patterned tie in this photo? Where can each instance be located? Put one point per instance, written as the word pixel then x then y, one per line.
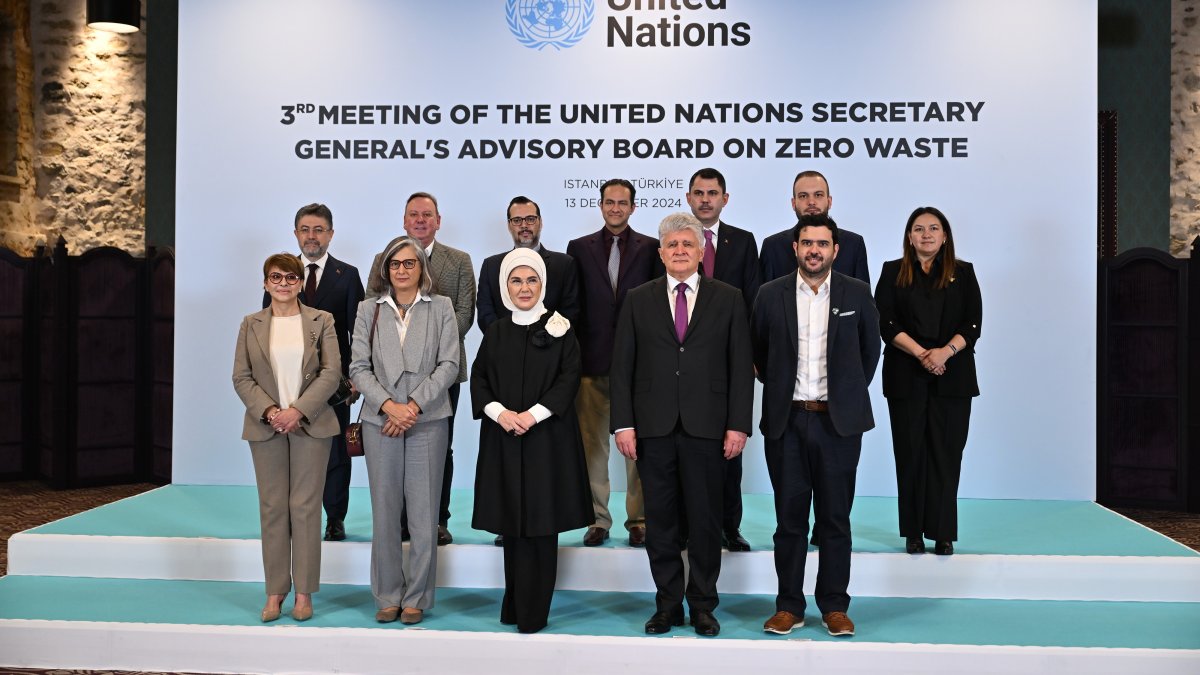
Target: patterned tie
pixel 614 263
pixel 681 319
pixel 710 254
pixel 310 285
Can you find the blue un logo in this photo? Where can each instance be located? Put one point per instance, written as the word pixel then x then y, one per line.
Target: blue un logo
pixel 557 23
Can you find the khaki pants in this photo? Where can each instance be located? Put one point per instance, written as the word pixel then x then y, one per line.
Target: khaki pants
pixel 592 408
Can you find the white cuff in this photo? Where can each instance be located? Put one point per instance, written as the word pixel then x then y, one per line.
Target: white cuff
pixel 540 412
pixel 493 410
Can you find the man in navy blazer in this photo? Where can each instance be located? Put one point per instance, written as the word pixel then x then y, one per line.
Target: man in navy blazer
pixel 337 289
pixel 682 406
pixel 816 347
pixel 610 263
pixel 730 255
pixel 524 218
pixel 811 196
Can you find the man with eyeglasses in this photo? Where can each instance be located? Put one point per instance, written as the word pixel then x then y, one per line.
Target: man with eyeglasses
pixel 610 263
pixel 334 286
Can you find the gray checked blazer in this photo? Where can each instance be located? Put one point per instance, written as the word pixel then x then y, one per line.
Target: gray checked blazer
pixel 423 369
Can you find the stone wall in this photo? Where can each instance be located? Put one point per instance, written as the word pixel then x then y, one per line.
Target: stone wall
pixel 87 152
pixel 16 176
pixel 1185 125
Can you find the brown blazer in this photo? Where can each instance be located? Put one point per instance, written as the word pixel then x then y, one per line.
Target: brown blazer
pixel 254 380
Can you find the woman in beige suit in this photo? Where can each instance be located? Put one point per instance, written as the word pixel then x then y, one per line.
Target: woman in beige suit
pixel 285 368
pixel 403 359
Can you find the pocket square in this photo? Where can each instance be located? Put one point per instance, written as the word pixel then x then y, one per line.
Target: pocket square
pixel 850 313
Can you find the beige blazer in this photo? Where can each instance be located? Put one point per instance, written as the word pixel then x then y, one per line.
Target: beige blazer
pixel 254 379
pixel 423 369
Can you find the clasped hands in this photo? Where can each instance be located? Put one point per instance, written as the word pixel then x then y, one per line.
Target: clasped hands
pixel 934 360
pixel 515 423
pixel 285 421
pixel 400 417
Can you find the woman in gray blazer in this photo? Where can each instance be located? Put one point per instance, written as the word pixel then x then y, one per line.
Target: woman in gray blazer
pixel 285 367
pixel 404 359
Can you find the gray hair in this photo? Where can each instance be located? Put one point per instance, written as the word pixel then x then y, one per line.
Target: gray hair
pixel 678 222
pixel 382 283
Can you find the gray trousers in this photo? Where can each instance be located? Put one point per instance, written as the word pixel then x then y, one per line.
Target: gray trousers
pixel 405 473
pixel 290 472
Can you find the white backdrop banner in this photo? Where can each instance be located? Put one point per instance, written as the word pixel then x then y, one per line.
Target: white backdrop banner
pixel 984 110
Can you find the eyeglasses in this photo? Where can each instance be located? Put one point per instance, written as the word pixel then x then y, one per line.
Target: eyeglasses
pixel 306 230
pixel 278 278
pixel 516 221
pixel 409 264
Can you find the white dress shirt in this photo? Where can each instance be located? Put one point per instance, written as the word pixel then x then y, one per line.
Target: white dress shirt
pixel 402 321
pixel 690 294
pixel 812 331
pixel 320 267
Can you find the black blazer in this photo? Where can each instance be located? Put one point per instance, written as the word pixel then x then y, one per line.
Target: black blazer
pixel 706 382
pixel 338 293
pixel 598 305
pixel 737 261
pixel 962 313
pixel 852 353
pixel 778 258
pixel 562 288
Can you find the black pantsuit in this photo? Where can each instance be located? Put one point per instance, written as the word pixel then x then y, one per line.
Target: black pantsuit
pixel 666 463
pixel 811 461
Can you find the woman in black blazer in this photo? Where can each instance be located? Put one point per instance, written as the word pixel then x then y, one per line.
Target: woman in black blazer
pixel 930 312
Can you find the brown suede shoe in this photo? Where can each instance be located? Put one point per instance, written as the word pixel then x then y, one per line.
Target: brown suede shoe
pixel 783 623
pixel 411 615
pixel 595 536
pixel 387 614
pixel 637 536
pixel 838 624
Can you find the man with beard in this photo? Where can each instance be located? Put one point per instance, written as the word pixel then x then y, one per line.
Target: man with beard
pixel 816 345
pixel 524 219
pixel 333 286
pixel 811 196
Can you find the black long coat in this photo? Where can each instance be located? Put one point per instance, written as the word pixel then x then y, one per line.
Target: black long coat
pixel 536 484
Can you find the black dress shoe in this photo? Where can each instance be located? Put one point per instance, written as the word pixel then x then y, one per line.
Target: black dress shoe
pixel 404 535
pixel 444 537
pixel 944 548
pixel 662 621
pixel 499 541
pixel 335 530
pixel 734 542
pixel 705 623
pixel 914 544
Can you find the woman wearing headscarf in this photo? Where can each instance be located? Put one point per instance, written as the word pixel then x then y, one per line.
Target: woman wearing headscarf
pixel 930 312
pixel 404 359
pixel 285 367
pixel 531 478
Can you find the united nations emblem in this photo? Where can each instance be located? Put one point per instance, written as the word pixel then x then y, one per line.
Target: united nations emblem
pixel 557 23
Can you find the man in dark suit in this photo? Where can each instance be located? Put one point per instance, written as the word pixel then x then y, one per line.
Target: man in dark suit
pixel 524 219
pixel 811 196
pixel 730 255
pixel 335 287
pixel 682 400
pixel 816 346
pixel 610 263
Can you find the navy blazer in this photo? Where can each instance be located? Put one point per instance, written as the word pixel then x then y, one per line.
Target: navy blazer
pixel 779 258
pixel 339 292
pixel 599 306
pixel 962 314
pixel 852 352
pixel 562 288
pixel 737 261
pixel 705 382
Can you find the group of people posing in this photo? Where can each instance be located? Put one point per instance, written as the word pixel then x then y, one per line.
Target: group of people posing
pixel 652 343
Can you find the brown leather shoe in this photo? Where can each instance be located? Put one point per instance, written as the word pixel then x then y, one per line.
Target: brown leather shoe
pixel 595 536
pixel 302 613
pixel 783 623
pixel 838 624
pixel 637 536
pixel 387 614
pixel 411 615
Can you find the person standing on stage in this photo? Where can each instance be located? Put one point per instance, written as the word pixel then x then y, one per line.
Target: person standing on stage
pixel 682 386
pixel 405 359
pixel 930 312
pixel 335 287
pixel 810 197
pixel 610 263
pixel 285 368
pixel 816 346
pixel 730 255
pixel 531 479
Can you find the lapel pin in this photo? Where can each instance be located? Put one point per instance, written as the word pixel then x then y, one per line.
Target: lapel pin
pixel 835 311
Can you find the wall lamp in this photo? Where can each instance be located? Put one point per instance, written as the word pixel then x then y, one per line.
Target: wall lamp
pixel 116 16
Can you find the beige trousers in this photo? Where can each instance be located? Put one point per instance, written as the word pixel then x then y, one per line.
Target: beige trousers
pixel 592 408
